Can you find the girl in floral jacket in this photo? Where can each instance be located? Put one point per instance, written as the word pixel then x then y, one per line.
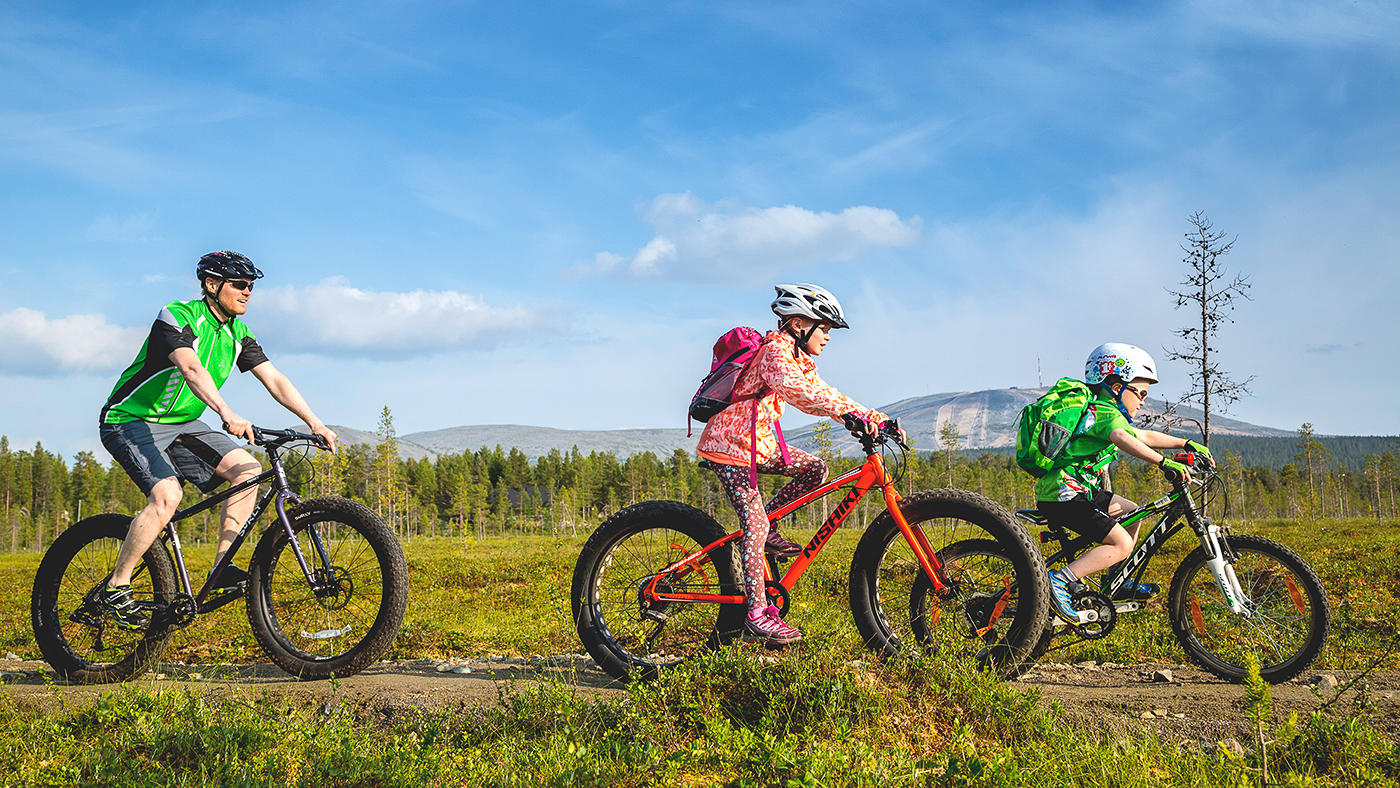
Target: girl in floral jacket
pixel 785 373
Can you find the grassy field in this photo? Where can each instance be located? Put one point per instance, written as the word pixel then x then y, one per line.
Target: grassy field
pixel 824 717
pixel 509 596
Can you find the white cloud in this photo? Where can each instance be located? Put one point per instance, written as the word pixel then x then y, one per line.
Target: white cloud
pixel 696 241
pixel 333 318
pixel 136 228
pixel 33 344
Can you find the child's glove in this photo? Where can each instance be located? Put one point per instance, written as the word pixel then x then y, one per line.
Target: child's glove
pixel 1175 471
pixel 1202 452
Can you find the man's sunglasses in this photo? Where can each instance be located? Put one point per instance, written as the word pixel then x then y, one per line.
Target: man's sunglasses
pixel 239 284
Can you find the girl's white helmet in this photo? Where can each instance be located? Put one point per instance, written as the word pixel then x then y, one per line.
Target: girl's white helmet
pixel 1128 362
pixel 810 301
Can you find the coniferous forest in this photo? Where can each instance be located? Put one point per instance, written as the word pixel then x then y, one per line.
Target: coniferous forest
pixel 496 491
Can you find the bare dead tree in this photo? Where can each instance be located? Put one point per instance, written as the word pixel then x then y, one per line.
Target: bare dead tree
pixel 1211 290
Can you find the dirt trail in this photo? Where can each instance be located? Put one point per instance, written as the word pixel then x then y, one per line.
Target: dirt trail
pixel 1193 705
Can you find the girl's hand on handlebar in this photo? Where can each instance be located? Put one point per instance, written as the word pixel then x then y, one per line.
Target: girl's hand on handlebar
pixel 891 427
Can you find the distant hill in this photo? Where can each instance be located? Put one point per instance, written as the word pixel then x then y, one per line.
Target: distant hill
pixel 986 420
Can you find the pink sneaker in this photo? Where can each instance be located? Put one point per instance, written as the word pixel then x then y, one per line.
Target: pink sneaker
pixel 768 627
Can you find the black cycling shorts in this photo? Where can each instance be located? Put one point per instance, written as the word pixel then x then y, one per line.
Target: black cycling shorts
pixel 1081 515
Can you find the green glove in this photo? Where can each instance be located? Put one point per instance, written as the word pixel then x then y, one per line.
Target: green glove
pixel 1199 449
pixel 1173 470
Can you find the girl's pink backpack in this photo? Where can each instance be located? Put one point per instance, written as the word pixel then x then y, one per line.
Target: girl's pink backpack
pixel 734 351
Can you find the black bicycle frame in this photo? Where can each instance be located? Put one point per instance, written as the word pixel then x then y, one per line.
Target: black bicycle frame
pixel 278 495
pixel 1177 510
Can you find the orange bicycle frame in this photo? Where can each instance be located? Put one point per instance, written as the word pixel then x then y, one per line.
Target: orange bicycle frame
pixel 869 475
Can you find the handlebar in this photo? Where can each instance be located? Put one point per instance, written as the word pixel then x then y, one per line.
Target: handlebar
pixel 887 431
pixel 275 438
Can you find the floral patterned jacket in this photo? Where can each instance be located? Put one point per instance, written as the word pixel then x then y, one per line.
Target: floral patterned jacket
pixel 789 378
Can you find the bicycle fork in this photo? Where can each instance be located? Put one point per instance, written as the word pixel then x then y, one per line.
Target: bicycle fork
pixel 1224 571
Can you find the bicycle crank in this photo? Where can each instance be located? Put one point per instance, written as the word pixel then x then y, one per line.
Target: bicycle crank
pixel 1102 615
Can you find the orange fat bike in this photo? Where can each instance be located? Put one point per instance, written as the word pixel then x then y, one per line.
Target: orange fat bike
pixel 943 570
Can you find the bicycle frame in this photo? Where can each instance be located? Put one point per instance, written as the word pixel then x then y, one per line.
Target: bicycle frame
pixel 1178 511
pixel 279 495
pixel 868 476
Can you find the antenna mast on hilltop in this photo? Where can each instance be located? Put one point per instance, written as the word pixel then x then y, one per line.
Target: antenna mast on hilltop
pixel 1039 378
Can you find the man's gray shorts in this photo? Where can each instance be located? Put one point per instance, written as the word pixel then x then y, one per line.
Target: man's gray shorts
pixel 149 452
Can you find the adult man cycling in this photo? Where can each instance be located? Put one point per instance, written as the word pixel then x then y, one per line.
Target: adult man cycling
pixel 149 423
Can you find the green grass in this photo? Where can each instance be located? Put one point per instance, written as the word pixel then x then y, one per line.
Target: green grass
pixel 509 596
pixel 811 719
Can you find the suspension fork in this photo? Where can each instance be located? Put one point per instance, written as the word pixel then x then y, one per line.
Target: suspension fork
pixel 279 503
pixel 1213 543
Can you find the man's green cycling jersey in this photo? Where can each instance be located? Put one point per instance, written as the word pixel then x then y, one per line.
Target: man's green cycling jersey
pixel 152 389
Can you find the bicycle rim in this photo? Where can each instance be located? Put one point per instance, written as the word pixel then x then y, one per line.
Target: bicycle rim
pixel 975 619
pixel 650 633
pixel 1279 628
pixel 315 627
pixel 92 639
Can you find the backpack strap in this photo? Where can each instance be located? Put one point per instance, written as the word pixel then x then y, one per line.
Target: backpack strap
pixel 753 441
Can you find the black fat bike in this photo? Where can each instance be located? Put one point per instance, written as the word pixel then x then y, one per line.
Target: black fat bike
pixel 1232 596
pixel 326 591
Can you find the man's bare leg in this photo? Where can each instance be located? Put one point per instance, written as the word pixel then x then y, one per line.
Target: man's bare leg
pixel 161 504
pixel 237 466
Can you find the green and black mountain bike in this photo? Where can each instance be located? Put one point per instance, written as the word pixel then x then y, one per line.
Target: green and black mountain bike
pixel 1232 596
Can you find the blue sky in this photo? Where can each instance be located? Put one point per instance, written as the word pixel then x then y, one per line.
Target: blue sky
pixel 545 213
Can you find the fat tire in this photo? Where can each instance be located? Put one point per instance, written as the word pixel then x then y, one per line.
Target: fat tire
pixel 996 523
pixel 588 614
pixel 394 600
pixel 47 619
pixel 1319 619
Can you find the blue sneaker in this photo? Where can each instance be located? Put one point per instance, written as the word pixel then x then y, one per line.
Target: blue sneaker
pixel 1062 590
pixel 1137 592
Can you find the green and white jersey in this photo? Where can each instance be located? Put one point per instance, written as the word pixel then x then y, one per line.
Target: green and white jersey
pixel 152 389
pixel 1071 474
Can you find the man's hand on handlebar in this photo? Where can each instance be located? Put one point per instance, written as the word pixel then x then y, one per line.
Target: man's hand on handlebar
pixel 327 435
pixel 237 426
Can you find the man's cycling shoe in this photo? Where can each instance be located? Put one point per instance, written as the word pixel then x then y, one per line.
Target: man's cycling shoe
pixel 118 604
pixel 1063 589
pixel 1136 592
pixel 231 580
pixel 780 545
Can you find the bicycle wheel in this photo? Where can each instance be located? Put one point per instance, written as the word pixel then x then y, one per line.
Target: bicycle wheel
pixel 73 633
pixel 1287 621
pixel 628 635
pixel 999 595
pixel 353 619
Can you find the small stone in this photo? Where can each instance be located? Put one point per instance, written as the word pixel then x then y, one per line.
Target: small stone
pixel 196 676
pixel 462 669
pixel 443 667
pixel 1233 747
pixel 12 656
pixel 1179 716
pixel 1160 712
pixel 1162 676
pixel 1324 681
pixel 1147 715
pixel 1088 663
pixel 160 676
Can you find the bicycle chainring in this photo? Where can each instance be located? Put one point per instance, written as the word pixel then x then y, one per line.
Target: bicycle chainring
pixel 778 595
pixel 1106 615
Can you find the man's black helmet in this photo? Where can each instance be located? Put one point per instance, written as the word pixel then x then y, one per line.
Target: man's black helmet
pixel 226 265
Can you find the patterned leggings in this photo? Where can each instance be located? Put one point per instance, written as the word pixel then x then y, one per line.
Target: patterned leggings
pixel 807 473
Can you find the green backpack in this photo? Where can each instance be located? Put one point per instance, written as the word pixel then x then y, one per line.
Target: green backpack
pixel 1046 427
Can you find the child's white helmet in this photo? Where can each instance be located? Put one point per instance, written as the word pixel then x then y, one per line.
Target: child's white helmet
pixel 812 301
pixel 1128 362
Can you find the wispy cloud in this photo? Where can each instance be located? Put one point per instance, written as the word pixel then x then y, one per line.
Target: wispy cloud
pixel 135 228
pixel 729 241
pixel 33 344
pixel 336 319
